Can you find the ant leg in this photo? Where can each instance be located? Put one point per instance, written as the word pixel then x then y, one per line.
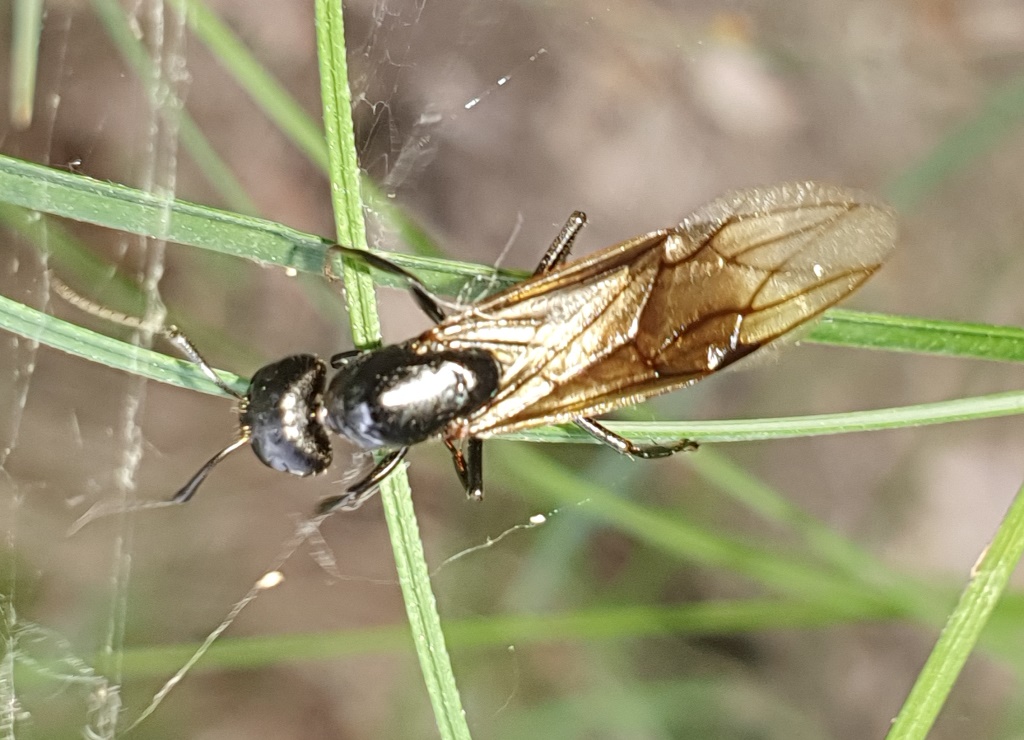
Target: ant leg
pixel 424 298
pixel 556 255
pixel 339 359
pixel 361 492
pixel 628 447
pixel 471 472
pixel 469 466
pixel 558 252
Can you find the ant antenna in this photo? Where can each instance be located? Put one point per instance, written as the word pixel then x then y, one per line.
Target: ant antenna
pixel 188 490
pixel 175 336
pixel 171 333
pixel 102 509
pixel 82 303
pixel 184 345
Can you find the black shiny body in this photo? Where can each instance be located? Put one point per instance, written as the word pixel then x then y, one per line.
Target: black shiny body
pixel 396 397
pixel 390 398
pixel 280 415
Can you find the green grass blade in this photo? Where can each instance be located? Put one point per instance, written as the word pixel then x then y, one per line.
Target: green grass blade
pixel 281 108
pixel 38 326
pixel 343 163
pixel 963 628
pixel 69 256
pixel 607 623
pixel 196 144
pixel 410 560
pixel 846 328
pixel 269 95
pixel 26 27
pixel 76 340
pixel 821 541
pixel 31 323
pixel 783 573
pixel 990 406
pixel 1000 114
pixel 77 266
pixel 114 206
pixel 119 207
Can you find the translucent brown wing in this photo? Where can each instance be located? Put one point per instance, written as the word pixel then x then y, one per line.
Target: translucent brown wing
pixel 663 310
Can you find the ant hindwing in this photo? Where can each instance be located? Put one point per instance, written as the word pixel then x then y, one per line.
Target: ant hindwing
pixel 649 315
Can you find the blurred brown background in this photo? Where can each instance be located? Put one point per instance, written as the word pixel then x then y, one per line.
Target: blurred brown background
pixel 489 123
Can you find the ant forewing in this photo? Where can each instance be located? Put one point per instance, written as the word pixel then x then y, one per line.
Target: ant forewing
pixel 649 315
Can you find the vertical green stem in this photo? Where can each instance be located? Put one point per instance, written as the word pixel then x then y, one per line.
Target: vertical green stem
pixel 413 576
pixel 964 627
pixel 26 29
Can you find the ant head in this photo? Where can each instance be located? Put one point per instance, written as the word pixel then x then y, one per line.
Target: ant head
pixel 280 419
pixel 280 415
